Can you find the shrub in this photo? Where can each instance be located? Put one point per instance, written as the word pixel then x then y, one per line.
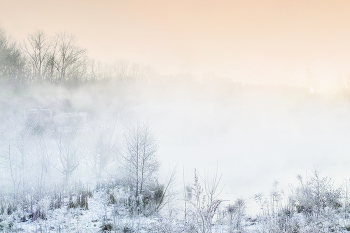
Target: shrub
pixel 127 229
pixel 315 195
pixel 106 227
pixel 6 226
pixel 236 213
pixel 84 203
pixel 72 205
pixel 204 205
pixel 111 199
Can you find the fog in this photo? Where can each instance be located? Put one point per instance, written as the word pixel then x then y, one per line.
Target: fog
pixel 253 135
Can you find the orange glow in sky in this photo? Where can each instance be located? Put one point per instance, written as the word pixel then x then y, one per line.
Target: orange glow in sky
pixel 261 41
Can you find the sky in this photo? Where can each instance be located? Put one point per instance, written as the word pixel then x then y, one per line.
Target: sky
pixel 253 41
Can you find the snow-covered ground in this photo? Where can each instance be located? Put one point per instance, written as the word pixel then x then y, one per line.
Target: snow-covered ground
pixel 104 216
pixel 65 219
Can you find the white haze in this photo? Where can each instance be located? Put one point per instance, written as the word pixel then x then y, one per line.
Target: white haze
pixel 254 134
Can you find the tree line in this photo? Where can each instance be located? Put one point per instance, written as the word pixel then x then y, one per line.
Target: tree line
pixel 58 59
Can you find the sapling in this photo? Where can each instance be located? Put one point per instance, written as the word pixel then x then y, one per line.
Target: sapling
pixel 139 161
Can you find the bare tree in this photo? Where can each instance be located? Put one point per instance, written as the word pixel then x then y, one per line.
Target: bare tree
pixel 103 147
pixel 38 49
pixel 121 69
pixel 16 153
pixel 139 158
pixel 67 59
pixel 12 62
pixel 69 157
pixel 96 71
pixel 42 159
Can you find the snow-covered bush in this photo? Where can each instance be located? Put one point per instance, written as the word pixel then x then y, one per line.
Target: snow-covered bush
pixel 315 195
pixel 204 204
pixel 235 214
pixel 276 212
pixel 6 225
pixel 106 227
pixel 313 206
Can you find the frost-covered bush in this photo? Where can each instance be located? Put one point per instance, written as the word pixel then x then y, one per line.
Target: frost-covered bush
pixel 44 204
pixel 203 204
pixel 56 201
pixel 166 225
pixel 276 212
pixel 149 201
pixel 106 227
pixel 79 200
pixel 235 214
pixel 6 225
pixel 313 206
pixel 315 195
pixel 152 199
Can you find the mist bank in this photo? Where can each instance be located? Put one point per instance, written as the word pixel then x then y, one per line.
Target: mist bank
pixel 254 134
pixel 246 122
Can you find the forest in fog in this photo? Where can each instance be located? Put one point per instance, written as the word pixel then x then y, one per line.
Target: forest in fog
pixel 87 146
